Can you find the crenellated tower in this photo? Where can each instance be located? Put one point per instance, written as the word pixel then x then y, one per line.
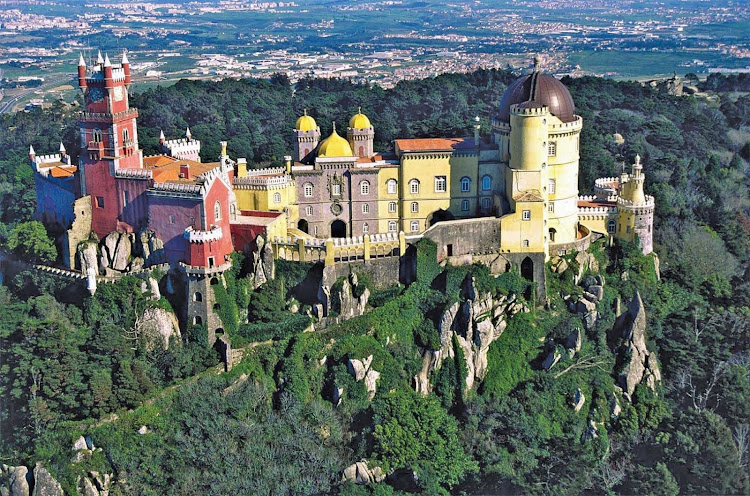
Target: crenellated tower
pixel 635 209
pixel 360 134
pixel 306 136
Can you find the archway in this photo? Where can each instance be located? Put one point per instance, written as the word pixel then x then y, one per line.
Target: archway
pixel 552 233
pixel 303 226
pixel 527 269
pixel 439 216
pixel 338 229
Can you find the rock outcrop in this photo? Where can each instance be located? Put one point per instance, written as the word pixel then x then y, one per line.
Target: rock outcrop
pixel 87 257
pixel 150 248
pixel 116 250
pixel 361 370
pixel 475 323
pixel 157 326
pixel 360 473
pixel 349 305
pixel 637 364
pixel 264 268
pixel 14 481
pixel 44 483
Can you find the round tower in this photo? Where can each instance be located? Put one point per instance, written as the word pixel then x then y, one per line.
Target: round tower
pixel 81 73
pixel 306 136
pixel 635 210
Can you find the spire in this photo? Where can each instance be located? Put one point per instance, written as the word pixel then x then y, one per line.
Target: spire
pixel 161 136
pixel 107 63
pixel 81 62
pixel 359 109
pixel 32 153
pixel 99 59
pixel 188 134
pixel 125 57
pixel 334 127
pixel 62 148
pixel 305 111
pixel 638 161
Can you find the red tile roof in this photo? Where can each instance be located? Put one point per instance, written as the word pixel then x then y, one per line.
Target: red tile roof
pixel 428 144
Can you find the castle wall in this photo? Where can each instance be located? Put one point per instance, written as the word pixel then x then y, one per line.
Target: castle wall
pixel 383 272
pixel 466 236
pixel 55 197
pixel 423 167
pixel 185 211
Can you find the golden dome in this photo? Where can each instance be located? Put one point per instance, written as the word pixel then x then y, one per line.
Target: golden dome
pixel 306 123
pixel 360 121
pixel 335 146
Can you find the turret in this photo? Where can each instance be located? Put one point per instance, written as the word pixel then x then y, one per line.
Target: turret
pixel 162 139
pixel 108 81
pixel 188 134
pixel 126 67
pixel 32 153
pixel 81 72
pixel 62 150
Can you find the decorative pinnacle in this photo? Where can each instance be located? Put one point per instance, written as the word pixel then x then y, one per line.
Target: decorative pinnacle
pixel 476 119
pixel 62 148
pixel 334 127
pixel 31 150
pixel 359 110
pixel 125 57
pixel 107 63
pixel 81 62
pixel 537 62
pixel 99 59
pixel 161 136
pixel 188 134
pixel 637 160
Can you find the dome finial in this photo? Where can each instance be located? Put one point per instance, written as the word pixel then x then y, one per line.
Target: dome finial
pixel 334 127
pixel 538 62
pixel 637 160
pixel 359 109
pixel 305 111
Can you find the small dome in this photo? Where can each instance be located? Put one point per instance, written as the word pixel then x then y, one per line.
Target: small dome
pixel 360 121
pixel 542 89
pixel 335 146
pixel 306 123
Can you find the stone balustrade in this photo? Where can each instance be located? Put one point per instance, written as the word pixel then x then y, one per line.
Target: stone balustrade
pixel 333 250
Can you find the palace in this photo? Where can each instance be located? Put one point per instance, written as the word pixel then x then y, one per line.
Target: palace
pixel 514 195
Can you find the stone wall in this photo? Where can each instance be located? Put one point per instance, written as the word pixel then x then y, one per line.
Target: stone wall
pixel 383 272
pixel 80 230
pixel 465 237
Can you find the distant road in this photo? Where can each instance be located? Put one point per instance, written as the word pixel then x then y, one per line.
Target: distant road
pixel 7 105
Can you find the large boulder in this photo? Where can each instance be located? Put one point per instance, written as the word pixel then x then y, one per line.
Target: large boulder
pixel 45 484
pixel 14 481
pixel 116 251
pixel 88 257
pixel 360 473
pixel 350 305
pixel 157 326
pixel 637 363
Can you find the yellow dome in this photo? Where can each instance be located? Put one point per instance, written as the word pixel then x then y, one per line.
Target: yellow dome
pixel 335 146
pixel 360 121
pixel 306 123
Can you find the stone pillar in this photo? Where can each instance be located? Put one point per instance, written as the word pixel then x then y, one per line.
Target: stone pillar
pixel 401 243
pixel 301 249
pixel 367 246
pixel 330 256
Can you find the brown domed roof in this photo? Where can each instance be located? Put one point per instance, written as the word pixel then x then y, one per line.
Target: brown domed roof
pixel 542 89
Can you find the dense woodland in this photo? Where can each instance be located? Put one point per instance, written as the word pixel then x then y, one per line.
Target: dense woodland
pixel 68 360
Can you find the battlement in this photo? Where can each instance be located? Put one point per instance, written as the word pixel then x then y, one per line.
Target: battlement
pixel 260 181
pixel 333 250
pixel 48 159
pixel 178 187
pixel 531 110
pixel 106 116
pixel 197 236
pixel 183 148
pixel 567 127
pixel 134 174
pixel 638 208
pixel 593 198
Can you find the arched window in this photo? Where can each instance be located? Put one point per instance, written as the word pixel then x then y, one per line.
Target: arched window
pixel 611 226
pixel 96 135
pixel 414 226
pixel 197 296
pixel 125 136
pixel 197 320
pixel 308 210
pixel 277 197
pixel 392 207
pixel 392 186
pixel 308 189
pixel 364 187
pixel 465 184
pixel 486 183
pixel 392 226
pixel 217 211
pixel 414 186
pixel 551 186
pixel 414 207
pixel 365 208
pixel 365 227
pixel 485 203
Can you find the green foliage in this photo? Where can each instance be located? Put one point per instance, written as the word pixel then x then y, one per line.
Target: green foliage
pixel 29 242
pixel 412 431
pixel 427 264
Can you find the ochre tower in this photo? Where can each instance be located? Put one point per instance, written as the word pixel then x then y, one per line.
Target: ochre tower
pixel 635 210
pixel 306 135
pixel 109 138
pixel 361 135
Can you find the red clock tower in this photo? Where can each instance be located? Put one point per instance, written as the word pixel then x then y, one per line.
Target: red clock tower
pixel 109 139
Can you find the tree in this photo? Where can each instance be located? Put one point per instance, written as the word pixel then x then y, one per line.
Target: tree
pixel 413 431
pixel 29 242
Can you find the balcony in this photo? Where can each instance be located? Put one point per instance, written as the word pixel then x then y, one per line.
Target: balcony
pixel 197 236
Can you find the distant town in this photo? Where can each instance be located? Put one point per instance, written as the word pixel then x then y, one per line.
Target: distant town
pixel 369 42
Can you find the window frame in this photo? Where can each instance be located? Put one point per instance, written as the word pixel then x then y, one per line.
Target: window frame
pixel 392 224
pixel 441 184
pixel 486 182
pixel 414 186
pixel 392 207
pixel 364 187
pixel 526 215
pixel 309 210
pixel 217 211
pixel 391 186
pixel 365 208
pixel 465 184
pixel 552 149
pixel 414 226
pixel 277 197
pixel 465 205
pixel 308 189
pixel 551 186
pixel 414 207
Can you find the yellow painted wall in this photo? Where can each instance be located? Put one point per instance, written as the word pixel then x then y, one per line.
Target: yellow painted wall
pixel 562 168
pixel 514 230
pixel 424 168
pixel 460 167
pixel 384 198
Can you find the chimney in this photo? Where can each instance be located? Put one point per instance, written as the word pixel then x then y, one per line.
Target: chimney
pixel 81 72
pixel 184 171
pixel 288 164
pixel 241 167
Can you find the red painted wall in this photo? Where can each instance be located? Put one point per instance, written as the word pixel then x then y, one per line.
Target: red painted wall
pixel 186 212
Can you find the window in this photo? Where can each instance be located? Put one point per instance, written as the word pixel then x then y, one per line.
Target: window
pixel 100 202
pixel 125 198
pixel 486 183
pixel 485 203
pixel 308 210
pixel 414 186
pixel 440 184
pixel 414 207
pixel 125 136
pixel 551 207
pixel 336 189
pixel 172 219
pixel 315 231
pixel 392 207
pixel 96 135
pixel 366 208
pixel 277 197
pixel 392 185
pixel 308 189
pixel 525 243
pixel 551 187
pixel 552 148
pixel 392 226
pixel 364 187
pixel 628 229
pixel 414 226
pixel 217 211
pixel 197 320
pixel 527 215
pixel 365 227
pixel 465 185
pixel 197 296
pixel 611 226
pixel 211 263
pixel 465 205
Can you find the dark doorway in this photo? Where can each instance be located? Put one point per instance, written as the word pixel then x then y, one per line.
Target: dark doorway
pixel 527 269
pixel 303 226
pixel 439 216
pixel 449 249
pixel 338 229
pixel 552 233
